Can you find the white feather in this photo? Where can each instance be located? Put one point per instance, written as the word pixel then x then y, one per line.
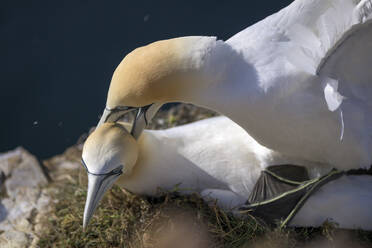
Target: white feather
pixel 219 160
pixel 283 75
pixel 332 96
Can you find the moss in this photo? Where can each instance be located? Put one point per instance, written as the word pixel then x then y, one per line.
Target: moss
pixel 127 220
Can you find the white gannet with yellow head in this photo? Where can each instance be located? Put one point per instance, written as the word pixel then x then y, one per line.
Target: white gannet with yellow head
pixel 224 166
pixel 298 81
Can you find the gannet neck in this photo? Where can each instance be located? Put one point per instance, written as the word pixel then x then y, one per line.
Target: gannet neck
pixel 184 69
pixel 162 71
pixel 233 84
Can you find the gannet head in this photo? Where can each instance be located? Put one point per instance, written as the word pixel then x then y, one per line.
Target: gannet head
pixel 163 71
pixel 107 153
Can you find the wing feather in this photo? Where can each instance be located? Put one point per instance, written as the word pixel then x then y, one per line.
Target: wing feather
pixel 338 48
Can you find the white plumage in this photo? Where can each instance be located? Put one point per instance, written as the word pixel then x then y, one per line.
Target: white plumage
pixel 298 81
pixel 306 87
pixel 198 157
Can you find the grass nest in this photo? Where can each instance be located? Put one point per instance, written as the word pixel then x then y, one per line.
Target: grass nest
pixel 127 220
pixel 171 220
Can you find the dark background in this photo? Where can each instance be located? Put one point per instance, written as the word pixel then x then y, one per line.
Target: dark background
pixel 57 57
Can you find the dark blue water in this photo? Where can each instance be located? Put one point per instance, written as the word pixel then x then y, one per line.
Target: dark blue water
pixel 57 57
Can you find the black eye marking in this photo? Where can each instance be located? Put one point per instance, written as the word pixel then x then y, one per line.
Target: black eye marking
pixel 116 171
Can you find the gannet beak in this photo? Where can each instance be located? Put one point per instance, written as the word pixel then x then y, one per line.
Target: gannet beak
pixel 115 114
pixel 140 122
pixel 143 116
pixel 98 184
pixel 104 117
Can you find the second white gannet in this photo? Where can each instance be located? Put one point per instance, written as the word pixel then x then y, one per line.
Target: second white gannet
pixel 198 157
pixel 298 81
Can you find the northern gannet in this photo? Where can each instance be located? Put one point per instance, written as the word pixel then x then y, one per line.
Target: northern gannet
pixel 298 81
pixel 198 157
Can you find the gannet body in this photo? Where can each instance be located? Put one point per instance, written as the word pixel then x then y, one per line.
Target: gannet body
pixel 198 157
pixel 298 81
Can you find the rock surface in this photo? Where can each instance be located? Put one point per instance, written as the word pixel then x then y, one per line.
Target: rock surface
pixel 25 202
pixel 21 191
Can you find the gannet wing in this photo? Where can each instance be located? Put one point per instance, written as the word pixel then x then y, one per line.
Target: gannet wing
pixel 336 200
pixel 349 60
pixel 337 47
pixel 351 40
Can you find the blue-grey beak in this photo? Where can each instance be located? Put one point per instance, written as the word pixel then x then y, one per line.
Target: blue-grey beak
pixel 143 116
pixel 140 122
pixel 98 184
pixel 115 114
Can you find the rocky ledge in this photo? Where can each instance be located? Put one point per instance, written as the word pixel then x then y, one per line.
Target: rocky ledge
pixel 25 200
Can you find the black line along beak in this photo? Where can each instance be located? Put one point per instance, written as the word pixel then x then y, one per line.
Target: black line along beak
pixel 142 117
pixel 115 114
pixel 98 184
pixel 140 121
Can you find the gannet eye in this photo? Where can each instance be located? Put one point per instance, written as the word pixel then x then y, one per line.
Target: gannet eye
pixel 117 171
